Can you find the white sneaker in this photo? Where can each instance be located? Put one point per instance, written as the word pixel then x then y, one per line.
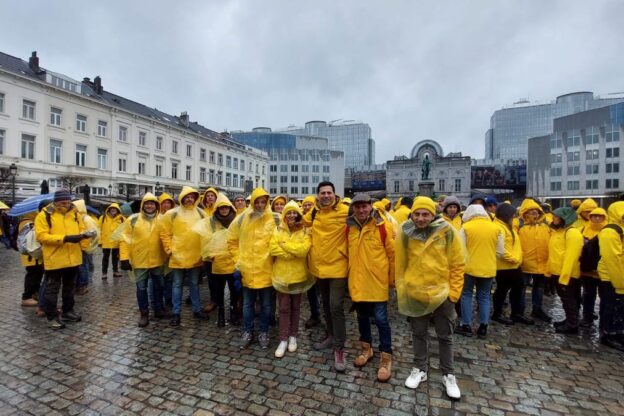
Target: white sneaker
pixel 292 344
pixel 281 349
pixel 415 378
pixel 452 389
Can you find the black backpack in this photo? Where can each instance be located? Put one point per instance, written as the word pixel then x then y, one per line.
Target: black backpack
pixel 590 255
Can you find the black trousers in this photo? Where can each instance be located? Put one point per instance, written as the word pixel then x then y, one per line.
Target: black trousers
pixel 218 296
pixel 106 252
pixel 512 282
pixel 32 281
pixel 54 280
pixel 590 291
pixel 570 298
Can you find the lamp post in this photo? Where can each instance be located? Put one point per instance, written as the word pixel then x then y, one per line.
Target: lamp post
pixel 110 192
pixel 158 189
pixel 13 170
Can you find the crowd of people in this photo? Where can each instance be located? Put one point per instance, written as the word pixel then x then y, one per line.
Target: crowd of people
pixel 270 252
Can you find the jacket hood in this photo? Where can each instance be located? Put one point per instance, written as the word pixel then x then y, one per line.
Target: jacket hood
pixel 587 205
pixel 150 197
pixel 257 193
pixel 546 207
pixel 616 212
pixel 600 225
pixel 213 190
pixel 277 198
pixel 474 211
pixel 529 204
pixel 475 197
pixel 309 198
pixel 505 212
pixel 385 201
pixel 186 190
pixel 575 203
pixel 451 200
pixel 165 196
pixel 113 205
pixel 223 201
pixel 291 206
pixel 397 204
pixel 567 214
pixel 379 205
pixel 80 206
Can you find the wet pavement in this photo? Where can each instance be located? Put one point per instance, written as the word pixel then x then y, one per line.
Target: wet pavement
pixel 107 365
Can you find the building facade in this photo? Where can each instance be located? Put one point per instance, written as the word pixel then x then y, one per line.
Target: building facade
pixel 450 174
pixel 353 138
pixel 511 128
pixel 297 163
pixel 580 159
pixel 73 133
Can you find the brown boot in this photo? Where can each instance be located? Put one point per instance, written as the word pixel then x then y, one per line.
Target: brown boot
pixel 385 367
pixel 365 355
pixel 144 321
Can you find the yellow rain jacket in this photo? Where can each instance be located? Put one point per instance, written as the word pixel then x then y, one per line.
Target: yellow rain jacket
pixel 140 242
pixel 456 221
pixel 429 267
pixel 209 210
pixel 90 224
pixel 484 242
pixel 371 258
pixel 564 251
pixel 108 225
pixel 379 206
pixel 277 198
pixel 534 239
pixel 24 258
pixel 178 239
pixel 56 253
pixel 290 249
pixel 249 239
pixel 328 254
pixel 611 264
pixel 402 214
pixel 592 229
pixel 586 207
pixel 512 257
pixel 165 197
pixel 213 236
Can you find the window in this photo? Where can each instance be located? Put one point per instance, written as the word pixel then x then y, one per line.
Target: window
pixel 102 159
pixel 242 164
pixel 457 185
pixel 592 154
pixel 56 151
pixel 573 141
pixel 220 159
pixel 574 156
pixel 396 186
pixel 555 171
pixel 228 179
pixel 102 127
pixel 294 190
pixel 123 133
pixel 202 174
pixel 202 156
pixel 573 185
pixel 284 178
pixel 158 169
pixel 441 185
pixel 273 168
pixel 305 168
pixel 304 190
pixel 612 183
pixel 2 135
pixel 315 179
pixel 283 190
pixel 174 147
pixel 592 169
pixel 410 186
pixel 28 109
pixel 211 176
pixel 294 168
pixel 283 168
pixel 81 155
pixel 28 146
pixel 142 138
pixel 228 161
pixel 612 134
pixel 272 179
pixel 273 191
pixel 555 144
pixel 592 184
pixel 159 142
pixel 613 167
pixel 555 157
pixel 305 179
pixel 315 168
pixel 55 116
pixel 174 170
pixel 592 137
pixel 212 159
pixel 555 186
pixel 1 103
pixel 250 166
pixel 188 172
pixel 235 164
pixel 189 150
pixel 294 179
pixel 219 178
pixel 574 170
pixel 122 163
pixel 613 152
pixel 235 180
pixel 81 123
pixel 325 169
pixel 141 167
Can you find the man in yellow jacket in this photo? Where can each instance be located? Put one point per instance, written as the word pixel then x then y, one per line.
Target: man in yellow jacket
pixel 402 213
pixel 210 197
pixel 62 235
pixel 328 262
pixel 451 209
pixel 371 275
pixel 564 251
pixel 141 251
pixel 582 213
pixel 184 250
pixel 249 238
pixel 109 221
pixel 611 272
pixel 430 259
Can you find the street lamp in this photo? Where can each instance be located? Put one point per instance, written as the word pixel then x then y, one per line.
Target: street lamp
pixel 158 189
pixel 13 170
pixel 110 192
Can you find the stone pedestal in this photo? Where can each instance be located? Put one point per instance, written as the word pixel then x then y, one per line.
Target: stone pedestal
pixel 425 188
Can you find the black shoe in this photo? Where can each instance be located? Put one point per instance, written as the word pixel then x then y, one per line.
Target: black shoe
pixel 541 315
pixel 175 320
pixel 221 318
pixel 464 330
pixel 187 301
pixel 557 324
pixel 482 331
pixel 71 317
pixel 521 319
pixel 162 314
pixel 312 322
pixel 144 319
pixel 567 329
pixel 234 319
pixel 201 315
pixel 55 324
pixel 611 342
pixel 500 318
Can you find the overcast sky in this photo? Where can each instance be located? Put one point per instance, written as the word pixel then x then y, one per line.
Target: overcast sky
pixel 411 70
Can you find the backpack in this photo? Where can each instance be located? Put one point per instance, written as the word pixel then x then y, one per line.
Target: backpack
pixel 382 233
pixel 27 243
pixel 590 254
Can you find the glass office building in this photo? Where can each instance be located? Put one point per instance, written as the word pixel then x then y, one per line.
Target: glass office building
pixel 510 128
pixel 351 137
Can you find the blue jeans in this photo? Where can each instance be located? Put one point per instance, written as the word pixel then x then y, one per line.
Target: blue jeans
pixel 157 287
pixel 192 276
pixel 484 287
pixel 249 300
pixel 378 310
pixel 537 291
pixel 168 288
pixel 83 271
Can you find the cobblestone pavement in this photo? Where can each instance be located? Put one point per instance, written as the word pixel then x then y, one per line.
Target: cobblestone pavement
pixel 107 365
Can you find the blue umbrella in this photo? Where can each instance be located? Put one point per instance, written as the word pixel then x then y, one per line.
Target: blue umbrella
pixel 31 204
pixel 93 211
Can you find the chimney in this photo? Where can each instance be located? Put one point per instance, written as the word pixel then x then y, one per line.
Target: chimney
pixel 33 62
pixel 184 118
pixel 98 85
pixel 86 80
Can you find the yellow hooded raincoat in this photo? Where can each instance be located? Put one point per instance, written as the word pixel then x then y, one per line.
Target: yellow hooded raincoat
pixel 564 252
pixel 56 253
pixel 210 210
pixel 611 264
pixel 586 207
pixel 108 225
pixel 90 224
pixel 484 242
pixel 534 239
pixel 213 236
